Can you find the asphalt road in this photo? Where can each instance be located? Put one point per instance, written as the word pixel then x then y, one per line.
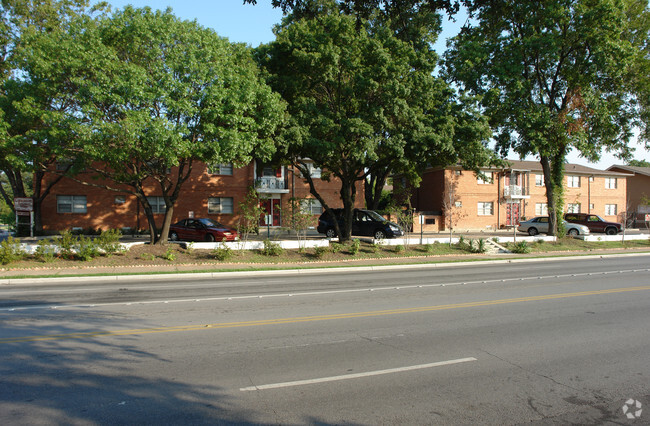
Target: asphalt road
pixel 550 342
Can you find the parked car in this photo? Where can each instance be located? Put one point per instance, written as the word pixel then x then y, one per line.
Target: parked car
pixel 594 222
pixel 203 229
pixel 365 222
pixel 539 225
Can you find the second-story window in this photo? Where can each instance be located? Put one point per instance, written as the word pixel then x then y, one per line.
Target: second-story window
pixel 539 180
pixel 220 169
pixel 486 179
pixel 573 181
pixel 610 183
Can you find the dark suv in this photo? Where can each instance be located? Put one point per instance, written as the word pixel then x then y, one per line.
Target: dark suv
pixel 594 222
pixel 365 222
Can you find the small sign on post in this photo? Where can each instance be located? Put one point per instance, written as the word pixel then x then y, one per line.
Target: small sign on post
pixel 647 217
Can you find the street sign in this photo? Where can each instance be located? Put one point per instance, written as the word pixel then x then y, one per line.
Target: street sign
pixel 24 204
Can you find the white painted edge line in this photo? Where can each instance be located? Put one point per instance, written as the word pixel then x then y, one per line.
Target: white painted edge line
pixel 335 270
pixel 355 376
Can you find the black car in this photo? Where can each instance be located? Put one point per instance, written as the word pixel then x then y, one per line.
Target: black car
pixel 364 222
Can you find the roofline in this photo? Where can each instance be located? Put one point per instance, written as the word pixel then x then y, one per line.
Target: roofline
pixel 629 169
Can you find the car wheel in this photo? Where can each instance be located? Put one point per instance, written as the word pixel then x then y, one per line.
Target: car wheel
pixel 573 232
pixel 380 235
pixel 610 231
pixel 173 236
pixel 532 232
pixel 330 233
pixel 209 238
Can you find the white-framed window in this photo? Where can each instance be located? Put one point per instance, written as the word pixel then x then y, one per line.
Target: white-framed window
pixel 485 208
pixel 611 183
pixel 220 205
pixel 541 209
pixel 458 204
pixel 488 179
pixel 591 178
pixel 591 207
pixel 220 169
pixel 157 204
pixel 573 208
pixel 311 206
pixel 573 181
pixel 539 180
pixel 314 172
pixel 457 172
pixel 610 209
pixel 71 204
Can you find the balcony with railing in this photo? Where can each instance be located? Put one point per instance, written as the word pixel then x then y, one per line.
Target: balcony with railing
pixel 269 184
pixel 515 191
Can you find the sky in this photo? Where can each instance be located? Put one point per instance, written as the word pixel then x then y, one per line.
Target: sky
pixel 253 25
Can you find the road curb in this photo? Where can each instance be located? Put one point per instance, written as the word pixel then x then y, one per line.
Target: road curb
pixel 302 271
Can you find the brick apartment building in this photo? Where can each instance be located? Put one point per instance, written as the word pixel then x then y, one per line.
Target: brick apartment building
pixel 211 191
pixel 505 196
pixel 638 192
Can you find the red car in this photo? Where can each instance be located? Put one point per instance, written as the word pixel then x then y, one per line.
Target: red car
pixel 203 229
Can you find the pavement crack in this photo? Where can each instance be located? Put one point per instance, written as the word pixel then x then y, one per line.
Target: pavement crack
pixel 544 376
pixel 379 342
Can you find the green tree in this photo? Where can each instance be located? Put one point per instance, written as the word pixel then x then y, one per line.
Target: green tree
pixel 638 163
pixel 361 101
pixel 551 79
pixel 31 107
pixel 159 94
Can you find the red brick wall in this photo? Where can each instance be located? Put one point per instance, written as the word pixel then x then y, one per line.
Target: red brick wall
pixel 104 213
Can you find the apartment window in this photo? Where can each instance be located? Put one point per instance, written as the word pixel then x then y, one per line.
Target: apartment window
pixel 220 169
pixel 591 207
pixel 220 205
pixel 314 172
pixel 539 180
pixel 573 181
pixel 610 183
pixel 157 204
pixel 591 178
pixel 573 208
pixel 485 209
pixel 457 172
pixel 71 204
pixel 487 179
pixel 541 209
pixel 311 206
pixel 610 210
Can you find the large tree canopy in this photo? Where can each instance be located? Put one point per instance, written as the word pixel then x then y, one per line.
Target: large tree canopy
pixel 552 78
pixel 361 101
pixel 32 110
pixel 157 94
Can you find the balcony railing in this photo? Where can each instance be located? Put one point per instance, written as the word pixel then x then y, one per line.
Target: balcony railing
pixel 271 184
pixel 515 191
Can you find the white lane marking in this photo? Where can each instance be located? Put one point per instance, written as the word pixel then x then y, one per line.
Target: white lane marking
pixel 356 376
pixel 305 293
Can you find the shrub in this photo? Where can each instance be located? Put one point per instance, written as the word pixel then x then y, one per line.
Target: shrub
pixel 169 254
pixel 271 248
pixel 336 247
pixel 67 244
pixel 355 246
pixel 222 252
pixel 86 249
pixel 11 251
pixel 521 247
pixel 109 241
pixel 399 248
pixel 147 256
pixel 478 246
pixel 429 248
pixel 45 251
pixel 375 248
pixel 320 252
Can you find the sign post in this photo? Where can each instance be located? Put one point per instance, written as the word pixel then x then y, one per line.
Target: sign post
pixel 24 206
pixel 421 226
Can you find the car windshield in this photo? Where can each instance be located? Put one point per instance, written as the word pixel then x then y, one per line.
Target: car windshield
pixel 376 216
pixel 211 223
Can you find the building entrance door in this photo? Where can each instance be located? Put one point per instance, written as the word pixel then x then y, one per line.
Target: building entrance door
pixel 271 212
pixel 512 214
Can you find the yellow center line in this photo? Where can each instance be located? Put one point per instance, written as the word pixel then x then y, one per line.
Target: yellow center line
pixel 293 320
